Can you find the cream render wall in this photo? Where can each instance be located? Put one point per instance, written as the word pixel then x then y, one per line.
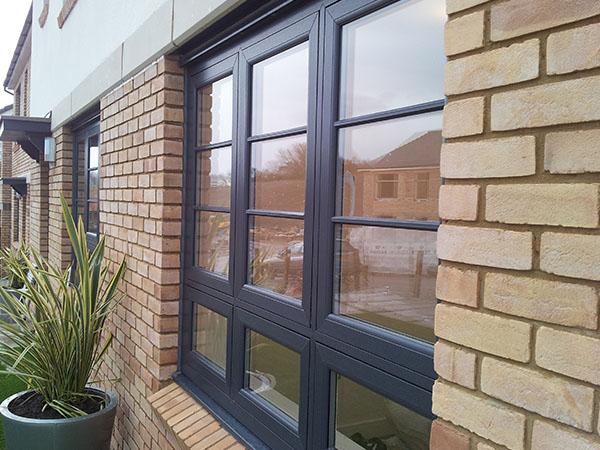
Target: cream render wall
pixel 103 43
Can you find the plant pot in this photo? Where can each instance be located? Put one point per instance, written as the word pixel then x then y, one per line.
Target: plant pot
pixel 91 432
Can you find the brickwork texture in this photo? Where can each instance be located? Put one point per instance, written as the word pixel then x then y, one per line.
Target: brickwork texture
pixel 518 355
pixel 140 218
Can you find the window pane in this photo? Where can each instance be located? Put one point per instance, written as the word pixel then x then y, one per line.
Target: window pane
pixel 404 148
pixel 212 241
pixel 366 419
pixel 213 183
pixel 280 91
pixel 210 335
pixel 278 174
pixel 393 58
pixel 386 276
pixel 276 254
pixel 215 112
pixel 93 218
pixel 93 153
pixel 273 372
pixel 80 188
pixel 93 184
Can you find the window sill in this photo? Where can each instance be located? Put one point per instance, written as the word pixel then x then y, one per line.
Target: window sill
pixel 65 11
pixel 192 424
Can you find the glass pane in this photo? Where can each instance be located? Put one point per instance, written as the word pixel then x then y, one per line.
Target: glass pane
pixel 93 154
pixel 280 91
pixel 81 195
pixel 385 165
pixel 212 241
pixel 210 335
pixel 213 183
pixel 276 254
pixel 386 276
pixel 93 218
pixel 393 58
pixel 215 112
pixel 278 174
pixel 273 372
pixel 366 419
pixel 93 184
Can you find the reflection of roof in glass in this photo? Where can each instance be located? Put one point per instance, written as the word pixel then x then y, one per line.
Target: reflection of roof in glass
pixel 422 151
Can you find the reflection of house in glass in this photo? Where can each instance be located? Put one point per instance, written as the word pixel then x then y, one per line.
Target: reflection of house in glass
pixel 403 183
pixel 387 275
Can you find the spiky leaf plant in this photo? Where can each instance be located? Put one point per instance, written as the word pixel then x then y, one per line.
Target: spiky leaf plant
pixel 13 262
pixel 58 337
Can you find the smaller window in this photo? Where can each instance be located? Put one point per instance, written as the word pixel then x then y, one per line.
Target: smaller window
pixel 16 221
pixel 422 191
pixel 273 373
pixel 366 419
pixel 210 336
pixel 387 186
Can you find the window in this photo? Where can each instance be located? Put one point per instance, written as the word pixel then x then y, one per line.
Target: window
pixel 312 171
pixel 86 178
pixel 16 218
pixel 387 186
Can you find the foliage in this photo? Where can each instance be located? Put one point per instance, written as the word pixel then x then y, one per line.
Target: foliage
pixel 56 342
pixel 14 262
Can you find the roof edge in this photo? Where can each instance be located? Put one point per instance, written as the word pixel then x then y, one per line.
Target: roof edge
pixel 20 44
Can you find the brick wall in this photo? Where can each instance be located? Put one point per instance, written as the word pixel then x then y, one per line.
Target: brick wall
pixel 140 217
pixel 519 349
pixel 60 181
pixel 6 193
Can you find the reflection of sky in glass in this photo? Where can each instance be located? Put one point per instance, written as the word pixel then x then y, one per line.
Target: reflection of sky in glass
pixel 280 91
pixel 393 58
pixel 270 156
pixel 372 141
pixel 220 162
pixel 217 111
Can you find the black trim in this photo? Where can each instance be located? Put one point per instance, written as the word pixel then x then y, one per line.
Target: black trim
pixel 19 184
pixel 395 365
pixel 28 132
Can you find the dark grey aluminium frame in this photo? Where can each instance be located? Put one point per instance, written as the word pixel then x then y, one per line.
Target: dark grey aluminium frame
pixel 397 366
pixel 83 129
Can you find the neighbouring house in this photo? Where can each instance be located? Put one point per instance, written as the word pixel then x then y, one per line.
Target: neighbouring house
pixel 347 224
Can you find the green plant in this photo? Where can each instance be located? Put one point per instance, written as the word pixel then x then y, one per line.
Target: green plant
pixel 56 342
pixel 14 262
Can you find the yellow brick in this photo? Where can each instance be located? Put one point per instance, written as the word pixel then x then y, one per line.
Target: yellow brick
pixel 486 417
pixel 490 158
pixel 547 436
pixel 464 33
pixel 458 202
pixel 571 255
pixel 571 403
pixel 572 152
pixel 486 246
pixel 572 50
pixel 549 301
pixel 453 6
pixel 518 17
pixel 463 117
pixel 455 364
pixel 567 353
pixel 556 103
pixel 536 204
pixel 457 285
pixel 498 336
pixel 500 67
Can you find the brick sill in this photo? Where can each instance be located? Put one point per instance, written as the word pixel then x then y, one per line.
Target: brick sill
pixel 193 423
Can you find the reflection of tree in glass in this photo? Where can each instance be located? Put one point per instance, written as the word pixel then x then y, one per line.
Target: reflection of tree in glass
pixel 216 234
